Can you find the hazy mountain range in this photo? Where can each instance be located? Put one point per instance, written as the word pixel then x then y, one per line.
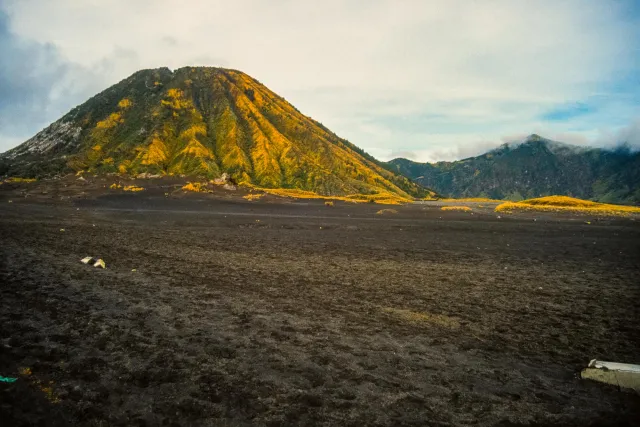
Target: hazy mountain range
pixel 534 167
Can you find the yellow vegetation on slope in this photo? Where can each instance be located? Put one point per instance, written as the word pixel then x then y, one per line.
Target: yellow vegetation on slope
pixel 567 204
pixel 228 134
pixel 156 153
pixel 192 131
pixel 296 152
pixel 456 208
pixel 177 100
pixel 177 146
pixel 225 121
pixel 109 122
pixel 125 103
pixel 196 149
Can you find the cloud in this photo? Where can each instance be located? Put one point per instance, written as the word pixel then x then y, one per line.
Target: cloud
pixel 628 135
pixel 28 73
pixel 37 85
pixel 435 77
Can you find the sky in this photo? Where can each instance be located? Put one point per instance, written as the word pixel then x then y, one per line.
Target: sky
pixel 426 80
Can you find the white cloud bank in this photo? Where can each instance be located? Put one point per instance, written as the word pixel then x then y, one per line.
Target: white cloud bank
pixel 441 79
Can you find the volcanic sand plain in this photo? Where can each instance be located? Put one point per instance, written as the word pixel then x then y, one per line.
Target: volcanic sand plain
pixel 217 310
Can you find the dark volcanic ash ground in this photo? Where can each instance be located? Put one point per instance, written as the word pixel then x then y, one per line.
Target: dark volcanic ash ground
pixel 282 312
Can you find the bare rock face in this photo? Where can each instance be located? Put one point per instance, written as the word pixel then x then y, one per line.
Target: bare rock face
pixel 60 133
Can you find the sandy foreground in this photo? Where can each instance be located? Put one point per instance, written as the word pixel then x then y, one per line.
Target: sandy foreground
pixel 215 310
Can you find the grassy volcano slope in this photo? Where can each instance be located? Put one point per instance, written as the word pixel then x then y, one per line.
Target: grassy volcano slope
pixel 204 121
pixel 570 204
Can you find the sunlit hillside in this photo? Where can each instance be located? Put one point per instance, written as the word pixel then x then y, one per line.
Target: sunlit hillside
pixel 200 121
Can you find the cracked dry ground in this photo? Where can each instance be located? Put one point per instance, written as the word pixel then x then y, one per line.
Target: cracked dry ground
pixel 245 313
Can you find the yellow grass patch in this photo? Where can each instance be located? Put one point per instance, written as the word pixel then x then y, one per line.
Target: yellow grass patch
pixel 380 198
pixel 567 204
pixel 18 180
pixel 383 198
pixel 196 187
pixel 386 212
pixel 252 197
pixel 131 188
pixel 456 208
pixel 423 317
pixel 472 199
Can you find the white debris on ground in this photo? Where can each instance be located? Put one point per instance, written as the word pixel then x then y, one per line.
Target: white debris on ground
pixel 224 178
pixel 624 375
pixel 226 182
pixel 96 262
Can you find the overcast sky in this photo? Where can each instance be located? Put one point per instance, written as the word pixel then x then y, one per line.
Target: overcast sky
pixel 429 80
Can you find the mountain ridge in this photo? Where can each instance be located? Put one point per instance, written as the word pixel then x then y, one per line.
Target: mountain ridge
pixel 203 121
pixel 534 167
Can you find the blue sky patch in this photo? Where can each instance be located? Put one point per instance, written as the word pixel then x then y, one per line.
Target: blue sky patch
pixel 567 112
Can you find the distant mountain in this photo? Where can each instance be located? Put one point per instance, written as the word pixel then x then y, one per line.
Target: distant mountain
pixel 534 167
pixel 203 121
